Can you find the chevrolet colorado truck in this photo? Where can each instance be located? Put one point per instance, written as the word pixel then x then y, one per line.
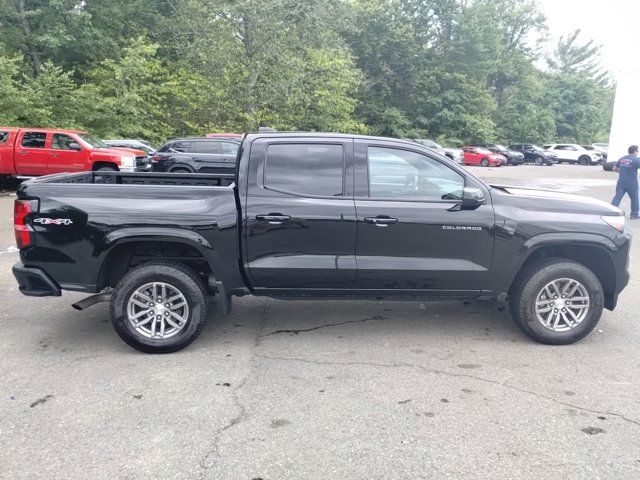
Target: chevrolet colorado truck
pixel 317 216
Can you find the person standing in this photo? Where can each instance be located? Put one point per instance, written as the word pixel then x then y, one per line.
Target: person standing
pixel 627 167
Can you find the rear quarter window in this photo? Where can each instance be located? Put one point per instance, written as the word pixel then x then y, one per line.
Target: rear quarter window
pixel 4 136
pixel 229 148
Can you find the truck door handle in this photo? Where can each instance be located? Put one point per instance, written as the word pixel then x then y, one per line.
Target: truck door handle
pixel 54 154
pixel 273 218
pixel 24 153
pixel 381 220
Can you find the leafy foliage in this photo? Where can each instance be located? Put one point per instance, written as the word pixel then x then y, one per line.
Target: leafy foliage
pixel 459 70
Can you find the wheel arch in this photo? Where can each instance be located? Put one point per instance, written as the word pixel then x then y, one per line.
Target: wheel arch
pixel 181 166
pixel 590 252
pixel 129 247
pixel 104 163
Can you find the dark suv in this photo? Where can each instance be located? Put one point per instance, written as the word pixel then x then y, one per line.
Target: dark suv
pixel 513 157
pixel 535 154
pixel 196 155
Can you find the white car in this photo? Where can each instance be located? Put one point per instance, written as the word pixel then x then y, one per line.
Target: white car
pixel 574 153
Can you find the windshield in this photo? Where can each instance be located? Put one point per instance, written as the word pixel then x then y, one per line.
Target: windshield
pixel 502 148
pixel 537 148
pixel 92 141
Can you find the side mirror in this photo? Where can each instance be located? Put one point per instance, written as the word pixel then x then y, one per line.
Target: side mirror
pixel 472 198
pixel 75 146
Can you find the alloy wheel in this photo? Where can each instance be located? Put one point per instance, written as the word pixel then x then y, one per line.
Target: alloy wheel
pixel 157 310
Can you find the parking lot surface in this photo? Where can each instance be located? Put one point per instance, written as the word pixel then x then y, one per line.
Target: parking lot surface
pixel 324 389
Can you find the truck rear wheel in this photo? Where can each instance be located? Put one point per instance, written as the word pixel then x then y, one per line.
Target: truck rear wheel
pixel 159 307
pixel 557 302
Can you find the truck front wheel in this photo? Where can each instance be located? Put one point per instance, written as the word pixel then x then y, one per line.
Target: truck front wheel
pixel 556 302
pixel 159 307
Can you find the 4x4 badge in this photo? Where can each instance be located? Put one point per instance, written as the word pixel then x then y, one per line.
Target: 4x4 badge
pixel 53 221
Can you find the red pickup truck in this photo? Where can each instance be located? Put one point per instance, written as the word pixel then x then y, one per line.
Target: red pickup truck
pixel 29 152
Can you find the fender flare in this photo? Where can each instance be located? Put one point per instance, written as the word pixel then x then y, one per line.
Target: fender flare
pixel 127 235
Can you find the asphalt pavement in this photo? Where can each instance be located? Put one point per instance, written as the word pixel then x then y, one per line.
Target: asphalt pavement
pixel 322 389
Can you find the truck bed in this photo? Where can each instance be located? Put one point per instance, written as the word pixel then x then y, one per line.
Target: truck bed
pixel 140 178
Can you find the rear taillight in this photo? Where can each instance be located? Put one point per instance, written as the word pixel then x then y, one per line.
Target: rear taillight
pixel 24 233
pixel 156 158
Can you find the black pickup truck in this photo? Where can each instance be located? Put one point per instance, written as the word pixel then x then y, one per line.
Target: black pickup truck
pixel 317 216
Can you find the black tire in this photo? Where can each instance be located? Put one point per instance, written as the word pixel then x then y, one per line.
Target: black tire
pixel 484 162
pixel 107 169
pixel 529 285
pixel 539 161
pixel 584 160
pixel 180 170
pixel 177 276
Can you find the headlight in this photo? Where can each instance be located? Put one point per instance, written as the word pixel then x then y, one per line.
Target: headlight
pixel 128 161
pixel 615 221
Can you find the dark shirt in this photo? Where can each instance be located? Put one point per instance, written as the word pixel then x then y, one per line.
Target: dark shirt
pixel 628 168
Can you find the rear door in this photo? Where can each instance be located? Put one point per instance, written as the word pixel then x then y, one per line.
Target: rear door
pixel 215 156
pixel 471 156
pixel 413 234
pixel 300 219
pixel 61 158
pixel 31 156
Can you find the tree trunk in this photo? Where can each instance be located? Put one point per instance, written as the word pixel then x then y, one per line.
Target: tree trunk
pixel 26 29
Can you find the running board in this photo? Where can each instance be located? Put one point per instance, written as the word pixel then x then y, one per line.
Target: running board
pixel 92 300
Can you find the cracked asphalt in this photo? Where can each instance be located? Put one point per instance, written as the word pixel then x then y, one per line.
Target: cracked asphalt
pixel 323 389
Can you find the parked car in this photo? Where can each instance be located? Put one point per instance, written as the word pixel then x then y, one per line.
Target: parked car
pixel 593 149
pixel 481 156
pixel 29 152
pixel 142 164
pixel 410 224
pixel 513 157
pixel 574 153
pixel 128 143
pixel 196 155
pixel 534 154
pixel 454 154
pixel 432 145
pixel 601 150
pixel 226 136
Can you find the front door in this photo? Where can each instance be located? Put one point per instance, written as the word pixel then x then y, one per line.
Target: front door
pixel 61 157
pixel 300 221
pixel 413 234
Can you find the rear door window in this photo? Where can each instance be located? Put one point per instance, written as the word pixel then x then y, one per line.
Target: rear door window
pixel 209 148
pixel 4 136
pixel 34 140
pixel 305 169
